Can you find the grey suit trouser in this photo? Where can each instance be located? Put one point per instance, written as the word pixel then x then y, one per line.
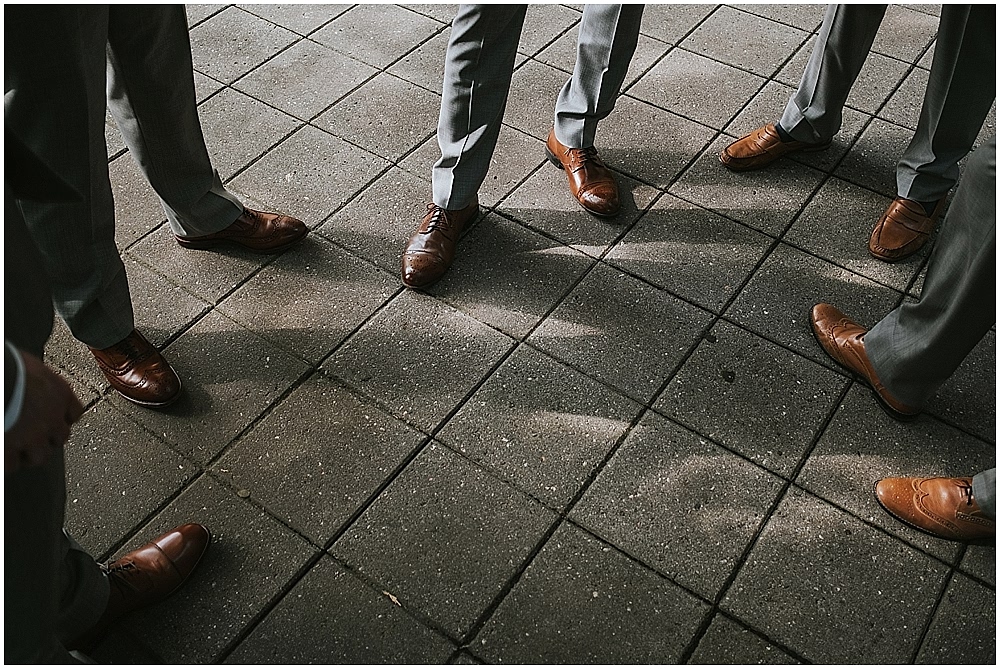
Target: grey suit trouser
pixel 64 66
pixel 959 94
pixel 984 489
pixel 478 68
pixel 917 346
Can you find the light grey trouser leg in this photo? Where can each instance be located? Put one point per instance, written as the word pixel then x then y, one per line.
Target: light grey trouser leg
pixel 478 68
pixel 53 589
pixel 54 95
pixel 604 48
pixel 984 489
pixel 959 95
pixel 816 111
pixel 151 94
pixel 918 346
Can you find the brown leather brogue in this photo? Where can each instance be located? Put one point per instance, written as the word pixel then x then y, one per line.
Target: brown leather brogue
pixel 903 229
pixel 148 575
pixel 843 340
pixel 590 181
pixel 139 372
pixel 431 249
pixel 944 507
pixel 256 230
pixel 761 148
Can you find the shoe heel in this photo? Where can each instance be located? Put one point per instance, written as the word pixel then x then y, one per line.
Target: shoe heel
pixel 552 158
pixel 195 244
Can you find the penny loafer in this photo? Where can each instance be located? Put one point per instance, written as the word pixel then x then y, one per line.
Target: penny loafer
pixel 431 250
pixel 148 575
pixel 761 148
pixel 944 507
pixel 138 371
pixel 255 230
pixel 844 341
pixel 590 181
pixel 903 229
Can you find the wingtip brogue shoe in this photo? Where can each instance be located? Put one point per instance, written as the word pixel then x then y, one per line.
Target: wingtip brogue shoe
pixel 762 147
pixel 590 181
pixel 431 249
pixel 258 231
pixel 137 371
pixel 843 340
pixel 943 507
pixel 903 229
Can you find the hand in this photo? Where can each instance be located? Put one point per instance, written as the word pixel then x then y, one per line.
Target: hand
pixel 49 408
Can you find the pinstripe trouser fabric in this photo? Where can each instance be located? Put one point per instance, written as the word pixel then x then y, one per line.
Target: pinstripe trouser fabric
pixel 959 94
pixel 64 65
pixel 479 65
pixel 917 346
pixel 984 489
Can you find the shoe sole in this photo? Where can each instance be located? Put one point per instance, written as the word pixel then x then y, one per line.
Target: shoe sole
pixel 901 417
pixel 153 405
pixel 760 166
pixel 213 243
pixel 558 163
pixel 975 542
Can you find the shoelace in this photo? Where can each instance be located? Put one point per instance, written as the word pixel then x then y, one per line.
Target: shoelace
pixel 131 352
pixel 438 218
pixel 123 568
pixel 589 154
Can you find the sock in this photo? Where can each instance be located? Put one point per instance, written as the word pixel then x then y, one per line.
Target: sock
pixel 785 137
pixel 928 206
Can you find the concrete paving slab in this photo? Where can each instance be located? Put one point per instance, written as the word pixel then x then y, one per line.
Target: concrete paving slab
pixel 872 162
pixel 205 87
pixel 729 642
pixel 767 200
pixel 543 24
pixel 217 54
pixel 670 23
pixel 540 426
pixel 694 254
pixel 422 66
pixel 545 203
pixel 836 226
pixel 305 79
pixel 331 617
pixel 420 358
pixel 964 627
pixel 317 457
pixel 230 376
pixel 73 357
pixel 308 302
pixel 388 130
pixel 804 586
pixel 583 602
pixel 808 17
pixel 444 539
pixel 752 396
pixel 863 445
pixel 399 32
pixel 291 179
pixel 981 563
pixel 508 276
pixel 697 87
pixel 648 143
pixel 668 497
pixel 241 129
pixel 745 40
pixel 622 331
pixel 969 397
pixel 161 309
pixel 116 474
pixel 905 33
pixel 251 560
pixel 531 102
pixel 302 19
pixel 777 301
pixel 904 106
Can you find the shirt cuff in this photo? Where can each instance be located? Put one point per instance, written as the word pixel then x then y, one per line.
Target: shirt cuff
pixel 12 412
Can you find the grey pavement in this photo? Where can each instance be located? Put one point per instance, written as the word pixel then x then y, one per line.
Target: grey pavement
pixel 594 441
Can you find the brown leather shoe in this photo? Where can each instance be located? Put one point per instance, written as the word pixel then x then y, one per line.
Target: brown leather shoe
pixel 943 507
pixel 148 575
pixel 590 181
pixel 903 229
pixel 136 369
pixel 431 249
pixel 843 340
pixel 761 148
pixel 255 230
